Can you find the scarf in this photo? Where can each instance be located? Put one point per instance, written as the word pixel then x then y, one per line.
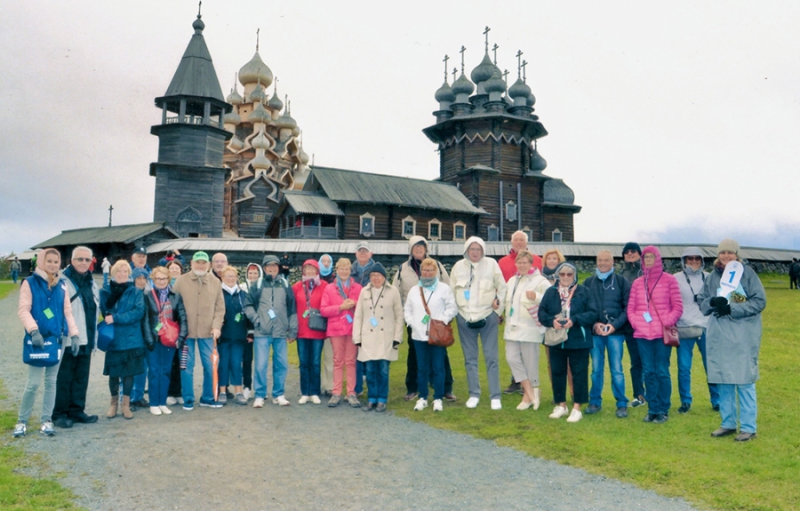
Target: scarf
pixel 117 290
pixel 311 282
pixel 230 289
pixel 603 276
pixel 550 273
pixel 83 287
pixel 415 265
pixel 163 294
pixel 325 270
pixel 429 284
pixel 360 270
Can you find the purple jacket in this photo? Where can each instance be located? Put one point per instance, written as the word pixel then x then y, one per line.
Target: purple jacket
pixel 654 291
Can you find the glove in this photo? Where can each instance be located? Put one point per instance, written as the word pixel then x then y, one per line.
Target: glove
pixel 179 343
pixel 150 346
pixel 358 344
pixel 75 347
pixel 395 344
pixel 36 339
pixel 724 310
pixel 718 301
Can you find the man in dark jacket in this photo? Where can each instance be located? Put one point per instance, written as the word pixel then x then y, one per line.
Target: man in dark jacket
pixel 610 293
pixel 632 270
pixel 794 273
pixel 285 266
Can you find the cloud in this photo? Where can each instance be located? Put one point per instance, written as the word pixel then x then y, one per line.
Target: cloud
pixel 778 234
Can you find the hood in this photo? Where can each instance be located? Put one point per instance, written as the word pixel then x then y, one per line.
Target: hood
pixel 325 270
pixel 470 241
pixel 658 267
pixel 256 266
pixel 413 240
pixel 692 251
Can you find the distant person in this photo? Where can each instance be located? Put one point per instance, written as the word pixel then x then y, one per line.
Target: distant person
pixel 285 265
pixel 172 255
pixel 794 273
pixel 233 338
pixel 308 295
pixel 478 286
pixel 45 313
pixel 106 266
pixel 733 343
pixel 92 264
pixel 632 270
pixel 73 376
pixel 692 327
pixel 16 268
pixel 655 302
pixel 218 263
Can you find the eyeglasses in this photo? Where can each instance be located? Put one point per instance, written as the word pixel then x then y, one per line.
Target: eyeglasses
pixel 82 259
pixel 693 258
pixel 566 274
pixel 160 279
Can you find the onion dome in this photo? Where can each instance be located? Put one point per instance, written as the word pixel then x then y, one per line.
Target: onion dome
pixel 255 71
pixel 303 157
pixel 198 25
pixel 445 93
pixel 257 96
pixel 537 162
pixel 285 121
pixel 495 83
pixel 275 103
pixel 519 90
pixel 232 118
pixel 484 71
pixel 260 161
pixel 234 98
pixel 260 114
pixel 531 100
pixel 260 142
pixel 462 85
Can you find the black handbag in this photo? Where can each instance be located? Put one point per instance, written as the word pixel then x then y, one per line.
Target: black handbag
pixel 315 319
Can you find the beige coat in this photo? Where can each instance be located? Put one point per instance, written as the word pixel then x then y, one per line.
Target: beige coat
pixel 523 324
pixel 376 342
pixel 204 303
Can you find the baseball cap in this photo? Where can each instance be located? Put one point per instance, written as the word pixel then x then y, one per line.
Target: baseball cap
pixel 200 256
pixel 140 250
pixel 363 245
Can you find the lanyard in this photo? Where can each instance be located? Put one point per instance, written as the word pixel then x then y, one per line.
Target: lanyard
pixel 648 294
pixel 375 303
pixel 702 276
pixel 471 276
pixel 514 292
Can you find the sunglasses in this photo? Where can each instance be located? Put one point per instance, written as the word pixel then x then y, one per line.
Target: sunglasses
pixel 566 274
pixel 631 251
pixel 82 260
pixel 693 258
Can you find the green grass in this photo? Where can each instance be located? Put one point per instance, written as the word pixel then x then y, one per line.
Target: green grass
pixel 676 459
pixel 6 288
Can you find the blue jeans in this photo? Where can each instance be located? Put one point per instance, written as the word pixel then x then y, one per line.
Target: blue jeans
pixel 280 364
pixel 685 353
pixel 140 380
pixel 748 406
pixel 614 344
pixel 430 364
pixel 377 380
pixel 360 370
pixel 14 275
pixel 206 347
pixel 230 363
pixel 309 351
pixel 105 279
pixel 160 363
pixel 657 381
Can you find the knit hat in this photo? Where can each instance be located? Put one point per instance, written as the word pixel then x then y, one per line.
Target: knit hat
pixel 728 245
pixel 139 272
pixel 378 268
pixel 270 259
pixel 631 245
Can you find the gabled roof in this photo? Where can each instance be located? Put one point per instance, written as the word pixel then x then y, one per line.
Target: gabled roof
pixel 311 203
pixel 196 75
pixel 365 187
pixel 116 234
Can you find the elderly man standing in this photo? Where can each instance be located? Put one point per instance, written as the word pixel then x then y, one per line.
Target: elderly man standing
pixel 205 311
pixel 16 267
pixel 479 285
pixel 218 263
pixel 632 270
pixel 73 375
pixel 609 293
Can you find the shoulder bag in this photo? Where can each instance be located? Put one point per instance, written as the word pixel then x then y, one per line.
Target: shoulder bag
pixel 315 319
pixel 167 328
pixel 668 333
pixel 46 356
pixel 439 332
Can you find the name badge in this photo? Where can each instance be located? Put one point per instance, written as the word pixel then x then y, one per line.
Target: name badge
pixel 466 294
pixel 159 327
pixel 647 317
pixel 349 318
pixel 271 314
pixel 426 319
pixel 373 322
pixel 306 313
pixel 48 313
pixel 511 312
pixel 238 317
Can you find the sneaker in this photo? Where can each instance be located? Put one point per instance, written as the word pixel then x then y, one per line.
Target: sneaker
pixel 370 407
pixel 496 404
pixel 639 401
pixel 558 412
pixel 188 406
pixel 258 403
pixel 240 399
pixel 472 402
pixel 622 412
pixel 744 437
pixel 19 430
pixel 661 418
pixel 353 400
pixel 179 400
pixel 171 401
pixel 449 396
pixel 421 405
pixel 210 404
pixel 514 387
pixel 142 403
pixel 229 395
pixel 575 416
pixel 155 410
pixel 247 393
pixel 720 432
pixel 165 410
pixel 223 398
pixel 380 408
pixel 333 402
pixel 684 407
pixel 650 417
pixel 303 400
pixel 592 409
pixel 411 396
pixel 63 422
pixel 437 405
pixel 316 400
pixel 281 401
pixel 47 429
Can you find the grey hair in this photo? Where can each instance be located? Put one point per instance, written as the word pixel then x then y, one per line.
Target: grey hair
pixel 521 232
pixel 81 248
pixel 605 251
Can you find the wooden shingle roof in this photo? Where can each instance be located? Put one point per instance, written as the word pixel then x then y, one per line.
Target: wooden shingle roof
pixel 115 234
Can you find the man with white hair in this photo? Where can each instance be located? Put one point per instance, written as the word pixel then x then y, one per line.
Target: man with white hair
pixel 218 263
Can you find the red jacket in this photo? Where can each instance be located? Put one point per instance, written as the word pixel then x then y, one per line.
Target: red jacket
pixel 662 294
pixel 331 300
pixel 508 264
pixel 299 289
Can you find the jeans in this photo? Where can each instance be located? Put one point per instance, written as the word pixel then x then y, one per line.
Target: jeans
pixel 71 384
pixel 344 359
pixel 658 382
pixel 159 362
pixel 469 345
pixel 411 370
pixel 614 344
pixel 206 347
pixel 140 380
pixel 685 353
pixel 748 406
pixel 637 374
pixel 360 372
pixel 14 275
pixel 230 363
pixel 309 352
pixel 430 367
pixel 377 381
pixel 29 394
pixel 280 364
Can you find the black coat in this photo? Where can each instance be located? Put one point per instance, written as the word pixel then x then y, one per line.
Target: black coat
pixel 582 313
pixel 233 330
pixel 178 315
pixel 611 304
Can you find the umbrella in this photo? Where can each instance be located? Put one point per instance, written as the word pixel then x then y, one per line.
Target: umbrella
pixel 215 373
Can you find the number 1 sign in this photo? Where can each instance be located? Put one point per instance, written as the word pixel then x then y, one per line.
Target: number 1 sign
pixel 730 278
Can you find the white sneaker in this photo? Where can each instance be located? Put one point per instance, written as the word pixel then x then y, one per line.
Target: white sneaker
pixel 155 410
pixel 281 401
pixel 496 404
pixel 316 400
pixel 437 405
pixel 575 416
pixel 246 393
pixel 258 403
pixel 165 410
pixel 303 400
pixel 558 412
pixel 180 400
pixel 421 405
pixel 171 401
pixel 473 402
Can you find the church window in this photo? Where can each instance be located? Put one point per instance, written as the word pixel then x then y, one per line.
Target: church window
pixel 511 211
pixel 459 231
pixel 557 238
pixel 367 225
pixel 492 233
pixel 434 230
pixel 409 227
pixel 527 231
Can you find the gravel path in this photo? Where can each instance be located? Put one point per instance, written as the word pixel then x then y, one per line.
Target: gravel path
pixel 298 457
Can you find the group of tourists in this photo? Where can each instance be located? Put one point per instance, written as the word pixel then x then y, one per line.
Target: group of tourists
pixel 348 322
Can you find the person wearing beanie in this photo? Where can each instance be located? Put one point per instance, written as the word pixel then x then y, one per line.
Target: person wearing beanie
pixel 308 299
pixel 733 341
pixel 692 326
pixel 632 270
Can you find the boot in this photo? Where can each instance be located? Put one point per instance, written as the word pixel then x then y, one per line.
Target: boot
pixel 112 410
pixel 536 398
pixel 126 407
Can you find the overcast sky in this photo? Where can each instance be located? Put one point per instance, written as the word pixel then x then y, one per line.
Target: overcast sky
pixel 672 123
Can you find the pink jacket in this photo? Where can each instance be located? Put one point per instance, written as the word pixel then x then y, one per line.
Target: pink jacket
pixel 331 300
pixel 662 294
pixel 26 302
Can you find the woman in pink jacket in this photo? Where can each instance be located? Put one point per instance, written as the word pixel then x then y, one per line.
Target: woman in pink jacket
pixel 338 305
pixel 655 302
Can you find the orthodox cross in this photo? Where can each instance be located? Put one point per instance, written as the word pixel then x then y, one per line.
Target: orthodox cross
pixel 455 70
pixel 286 102
pixel 486 36
pixel 505 76
pixel 524 77
pixel 258 35
pixel 462 50
pixel 494 49
pixel 199 6
pixel 110 209
pixel 275 90
pixel 519 63
pixel 446 58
